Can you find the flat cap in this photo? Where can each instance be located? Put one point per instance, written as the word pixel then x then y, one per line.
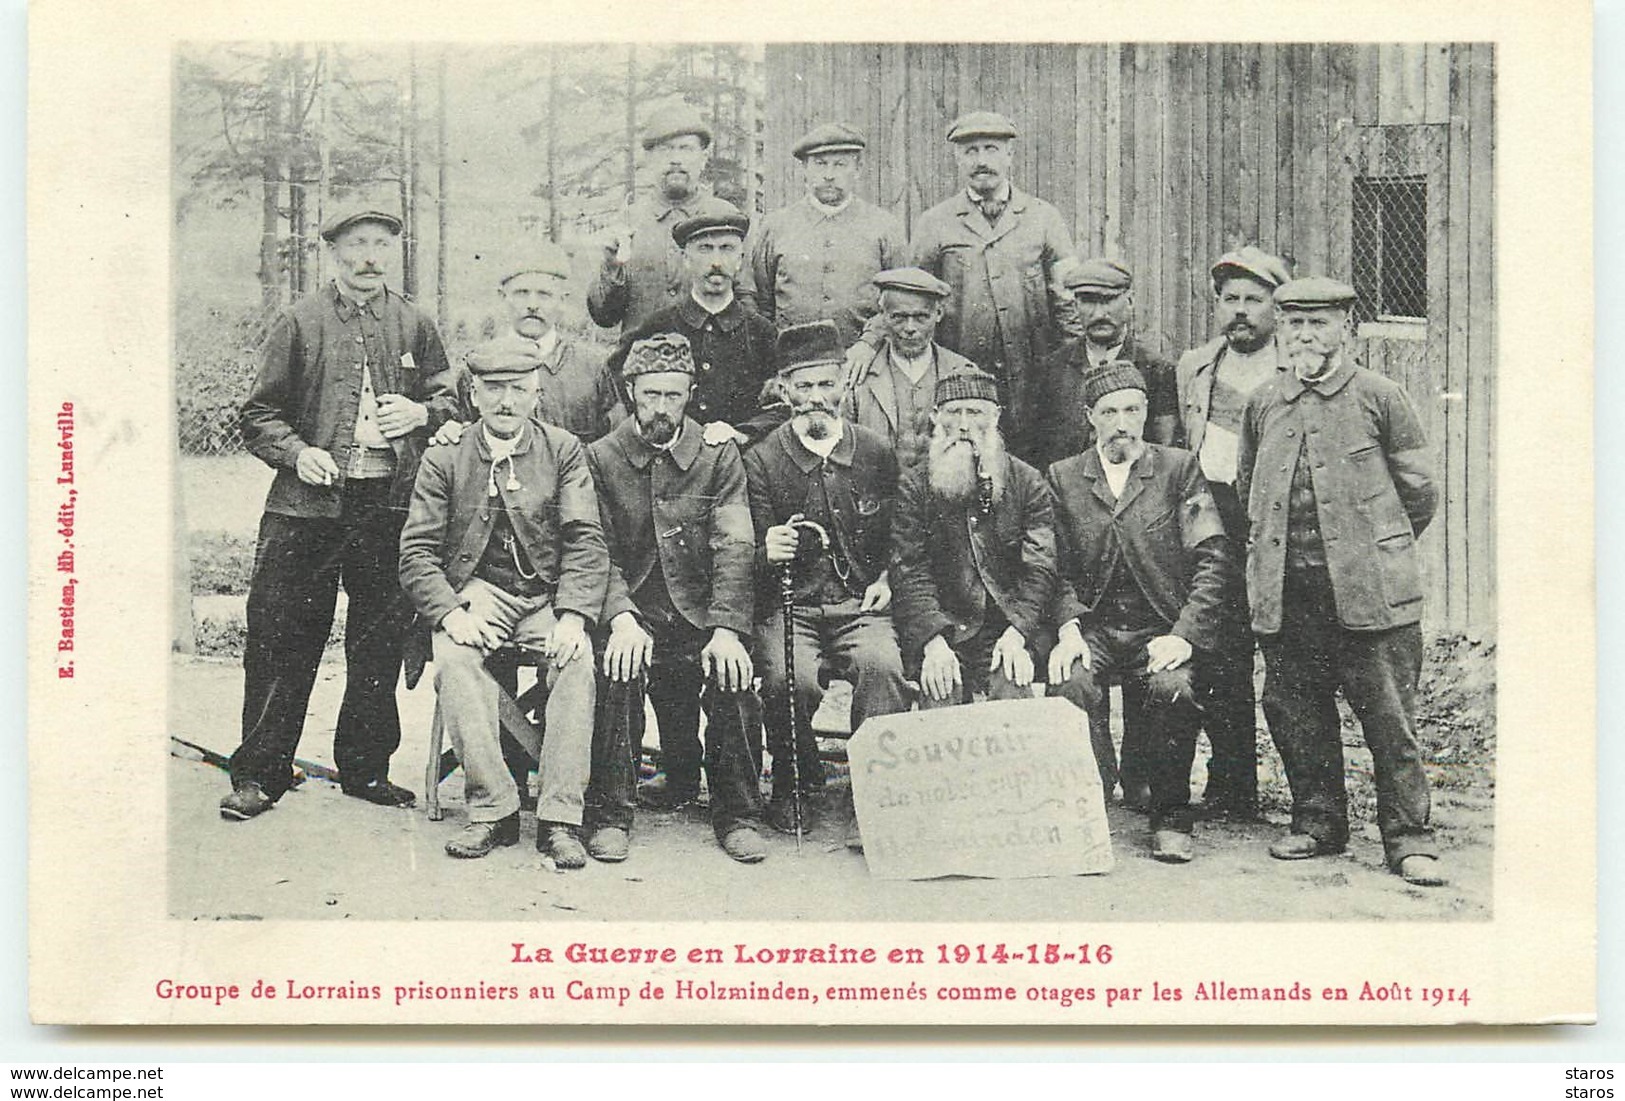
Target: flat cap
pixel 1096 276
pixel 508 356
pixel 972 383
pixel 1250 262
pixel 673 121
pixel 545 258
pixel 917 280
pixel 808 345
pixel 1108 378
pixel 713 215
pixel 1315 292
pixel 659 353
pixel 344 219
pixel 832 137
pixel 981 124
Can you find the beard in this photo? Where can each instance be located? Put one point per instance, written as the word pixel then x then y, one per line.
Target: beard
pixel 815 419
pixel 657 429
pixel 1123 447
pixel 676 184
pixel 1310 361
pixel 951 465
pixel 1243 337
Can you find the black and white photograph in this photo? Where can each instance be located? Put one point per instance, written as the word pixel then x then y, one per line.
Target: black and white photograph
pixel 709 521
pixel 616 388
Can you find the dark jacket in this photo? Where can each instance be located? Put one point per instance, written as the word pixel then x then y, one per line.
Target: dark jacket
pixel 553 513
pixel 308 390
pixel 688 510
pixel 733 355
pixel 1164 530
pixel 653 278
pixel 872 400
pixel 1374 493
pixel 1056 421
pixel 949 561
pixel 860 480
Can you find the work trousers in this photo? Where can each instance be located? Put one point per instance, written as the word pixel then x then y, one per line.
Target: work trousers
pixel 467 699
pixel 1229 705
pixel 299 563
pixel 1306 662
pixel 852 645
pixel 1169 722
pixel 676 686
pixel 974 654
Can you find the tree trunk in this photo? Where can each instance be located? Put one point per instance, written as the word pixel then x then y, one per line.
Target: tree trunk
pixel 631 123
pixel 270 272
pixel 442 161
pixel 553 144
pixel 409 176
pixel 299 278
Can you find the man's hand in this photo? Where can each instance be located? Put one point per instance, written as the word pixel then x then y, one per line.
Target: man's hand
pixel 568 640
pixel 629 650
pixel 718 433
pixel 316 467
pixel 877 597
pixel 466 629
pixel 447 434
pixel 399 414
pixel 783 540
pixel 1166 652
pixel 1010 654
pixel 939 672
pixel 1069 647
pixel 617 245
pixel 725 659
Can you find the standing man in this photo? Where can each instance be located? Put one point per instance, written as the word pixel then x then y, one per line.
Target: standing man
pixel 1103 295
pixel 642 270
pixel 732 346
pixel 997 247
pixel 1215 381
pixel 1143 563
pixel 813 260
pixel 1333 469
pixel 894 385
pixel 975 555
pixel 844 478
pixel 681 547
pixel 503 548
pixel 352 380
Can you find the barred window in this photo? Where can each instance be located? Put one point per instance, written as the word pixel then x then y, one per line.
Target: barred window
pixel 1390 248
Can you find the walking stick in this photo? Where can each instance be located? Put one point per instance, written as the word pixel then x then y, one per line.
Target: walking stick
pixel 787 603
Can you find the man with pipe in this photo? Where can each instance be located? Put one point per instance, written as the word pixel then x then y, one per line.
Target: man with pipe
pixel 842 478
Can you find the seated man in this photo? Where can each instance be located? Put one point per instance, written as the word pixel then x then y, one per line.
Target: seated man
pixel 1144 568
pixel 974 545
pixel 503 547
pixel 842 477
pixel 677 520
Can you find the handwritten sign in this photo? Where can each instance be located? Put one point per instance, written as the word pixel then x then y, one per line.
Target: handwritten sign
pixel 1000 790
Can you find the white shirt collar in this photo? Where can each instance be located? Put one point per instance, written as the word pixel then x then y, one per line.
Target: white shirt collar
pixel 701 303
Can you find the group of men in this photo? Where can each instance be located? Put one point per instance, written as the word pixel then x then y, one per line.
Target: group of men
pixel 937 468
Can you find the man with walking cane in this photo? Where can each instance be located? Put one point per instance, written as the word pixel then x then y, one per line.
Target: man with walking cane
pixel 817 473
pixel 677 520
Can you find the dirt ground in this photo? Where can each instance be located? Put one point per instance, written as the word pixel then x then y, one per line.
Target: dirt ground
pixel 389 866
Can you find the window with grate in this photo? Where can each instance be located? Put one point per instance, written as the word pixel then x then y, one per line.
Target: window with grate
pixel 1391 248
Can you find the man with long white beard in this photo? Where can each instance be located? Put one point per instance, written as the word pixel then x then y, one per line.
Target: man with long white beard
pixel 974 555
pixel 1144 567
pixel 1333 468
pixel 676 516
pixel 842 477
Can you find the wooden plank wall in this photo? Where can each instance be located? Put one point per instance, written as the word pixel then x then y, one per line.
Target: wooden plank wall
pixel 1166 155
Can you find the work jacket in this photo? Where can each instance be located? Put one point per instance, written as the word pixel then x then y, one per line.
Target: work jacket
pixel 550 506
pixel 686 509
pixel 808 264
pixel 872 399
pixel 575 390
pixel 1196 372
pixel 859 481
pixel 653 277
pixel 307 391
pixel 1374 492
pixel 950 561
pixel 1004 309
pixel 1164 530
